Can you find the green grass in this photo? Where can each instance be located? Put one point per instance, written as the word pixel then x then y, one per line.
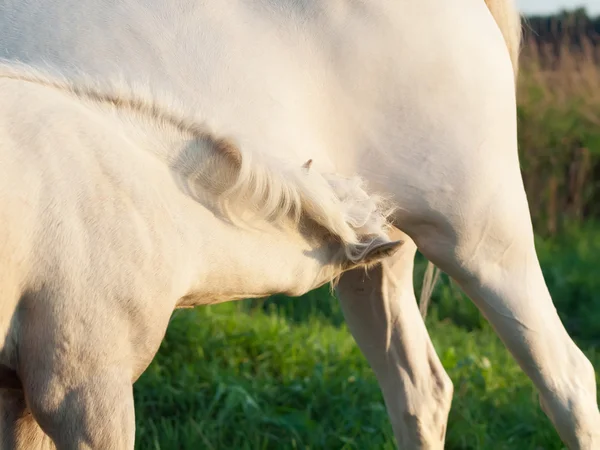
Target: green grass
pixel 286 374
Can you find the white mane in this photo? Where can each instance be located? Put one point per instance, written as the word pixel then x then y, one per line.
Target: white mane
pixel 269 186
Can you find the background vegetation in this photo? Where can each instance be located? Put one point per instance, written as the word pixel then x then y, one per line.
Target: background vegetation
pixel 286 374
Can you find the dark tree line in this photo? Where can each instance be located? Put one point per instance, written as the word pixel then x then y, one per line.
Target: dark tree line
pixel 572 29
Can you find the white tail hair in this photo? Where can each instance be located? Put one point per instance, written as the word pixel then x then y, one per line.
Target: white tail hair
pixel 508 19
pixel 269 186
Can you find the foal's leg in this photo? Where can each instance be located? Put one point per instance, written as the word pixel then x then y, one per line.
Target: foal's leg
pixel 83 409
pixel 382 314
pixel 18 428
pixel 76 375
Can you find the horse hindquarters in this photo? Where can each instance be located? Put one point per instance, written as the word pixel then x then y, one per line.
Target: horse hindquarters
pixel 468 213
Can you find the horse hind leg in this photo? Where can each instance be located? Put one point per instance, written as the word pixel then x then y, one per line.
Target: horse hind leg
pixel 18 428
pixel 382 314
pixel 484 239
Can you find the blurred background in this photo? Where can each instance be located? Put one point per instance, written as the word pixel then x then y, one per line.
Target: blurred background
pixel 285 373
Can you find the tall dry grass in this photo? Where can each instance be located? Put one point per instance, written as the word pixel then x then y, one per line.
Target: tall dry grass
pixel 559 130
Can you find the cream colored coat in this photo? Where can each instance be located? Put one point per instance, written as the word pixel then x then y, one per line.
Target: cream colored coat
pixel 415 97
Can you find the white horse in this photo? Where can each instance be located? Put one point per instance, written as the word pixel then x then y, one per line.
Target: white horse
pixel 114 211
pixel 415 96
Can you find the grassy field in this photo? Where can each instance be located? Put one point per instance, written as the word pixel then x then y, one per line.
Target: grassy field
pixel 559 131
pixel 286 374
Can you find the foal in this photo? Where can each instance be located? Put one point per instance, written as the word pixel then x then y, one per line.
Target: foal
pixel 114 211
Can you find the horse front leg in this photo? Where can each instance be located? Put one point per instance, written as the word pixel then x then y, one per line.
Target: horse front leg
pixel 382 314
